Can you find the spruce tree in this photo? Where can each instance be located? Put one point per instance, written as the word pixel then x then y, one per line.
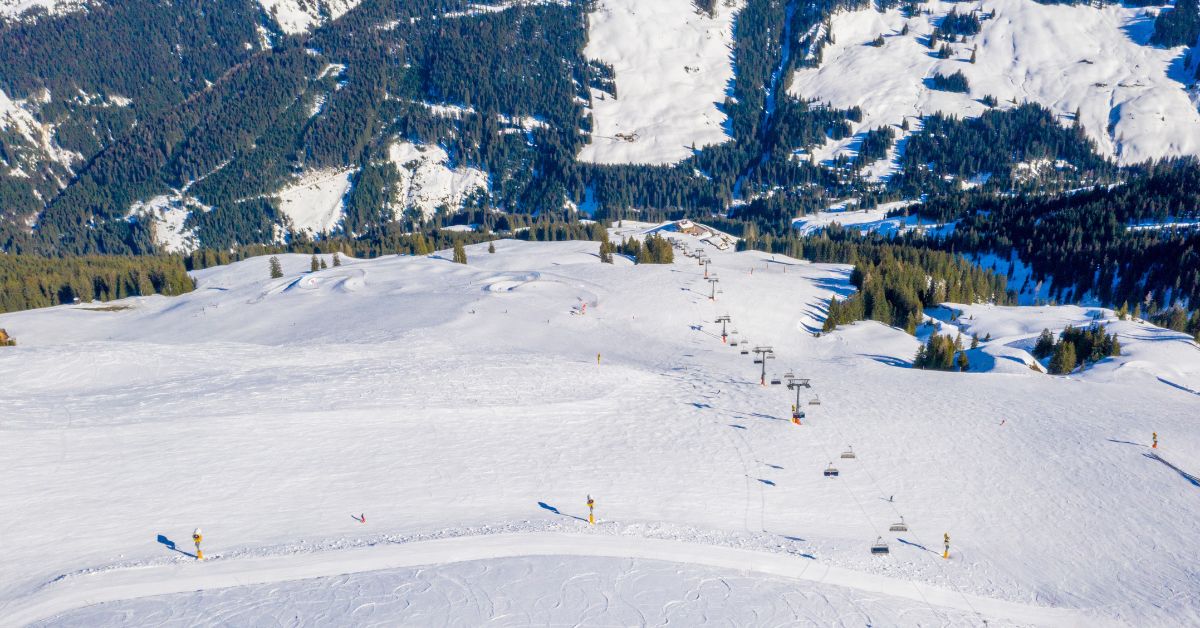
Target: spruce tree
pixel 314 264
pixel 1044 346
pixel 337 259
pixel 276 268
pixel 1063 361
pixel 460 254
pixel 963 363
pixel 491 247
pixel 323 264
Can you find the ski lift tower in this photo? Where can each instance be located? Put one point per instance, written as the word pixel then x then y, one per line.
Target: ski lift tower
pixel 723 320
pixel 705 261
pixel 795 383
pixel 764 354
pixel 713 281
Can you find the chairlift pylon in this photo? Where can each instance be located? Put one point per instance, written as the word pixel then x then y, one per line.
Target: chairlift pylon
pixel 880 547
pixel 899 527
pixel 831 471
pixel 849 453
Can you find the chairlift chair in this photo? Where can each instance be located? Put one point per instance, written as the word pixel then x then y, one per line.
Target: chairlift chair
pixel 758 360
pixel 775 381
pixel 733 342
pixel 747 352
pixel 815 401
pixel 849 453
pixel 899 527
pixel 880 547
pixel 789 375
pixel 831 471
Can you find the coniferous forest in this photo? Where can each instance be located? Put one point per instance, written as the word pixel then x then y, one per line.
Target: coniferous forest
pixel 222 108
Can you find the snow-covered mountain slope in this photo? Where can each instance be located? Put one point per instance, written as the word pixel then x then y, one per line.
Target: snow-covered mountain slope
pixel 29 143
pixel 427 181
pixel 15 8
pixel 673 67
pixel 301 16
pixel 316 201
pixel 169 214
pixel 1132 98
pixel 457 402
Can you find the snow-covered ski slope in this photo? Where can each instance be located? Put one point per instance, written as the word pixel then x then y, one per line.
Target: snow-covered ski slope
pixel 461 409
pixel 1133 98
pixel 673 66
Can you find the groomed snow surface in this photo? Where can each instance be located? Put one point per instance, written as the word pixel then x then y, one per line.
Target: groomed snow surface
pixel 461 409
pixel 1132 97
pixel 673 66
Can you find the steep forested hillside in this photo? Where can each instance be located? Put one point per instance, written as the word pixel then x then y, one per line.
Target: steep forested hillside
pixel 136 128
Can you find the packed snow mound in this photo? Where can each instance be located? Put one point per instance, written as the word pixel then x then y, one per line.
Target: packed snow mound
pixel 301 16
pixel 427 182
pixel 316 201
pixel 480 403
pixel 673 68
pixel 1132 98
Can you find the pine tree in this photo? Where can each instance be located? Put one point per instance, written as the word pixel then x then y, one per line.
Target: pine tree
pixel 974 341
pixel 337 259
pixel 1063 361
pixel 973 51
pixel 1044 346
pixel 314 264
pixel 460 254
pixel 491 247
pixel 323 264
pixel 963 363
pixel 276 268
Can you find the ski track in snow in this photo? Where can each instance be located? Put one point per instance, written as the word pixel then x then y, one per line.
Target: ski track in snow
pixel 167 583
pixel 445 400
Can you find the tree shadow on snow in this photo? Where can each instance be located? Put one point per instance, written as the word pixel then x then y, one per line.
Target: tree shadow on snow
pixel 888 360
pixel 556 511
pixel 171 546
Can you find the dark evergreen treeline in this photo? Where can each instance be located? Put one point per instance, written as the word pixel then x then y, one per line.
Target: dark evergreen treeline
pixel 1087 241
pixel 956 25
pixel 31 281
pixel 942 353
pixel 994 144
pixel 876 144
pixel 1076 347
pixel 655 249
pixel 956 82
pixel 1178 26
